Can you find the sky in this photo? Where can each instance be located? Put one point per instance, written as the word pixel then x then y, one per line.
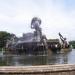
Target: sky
pixel 56 16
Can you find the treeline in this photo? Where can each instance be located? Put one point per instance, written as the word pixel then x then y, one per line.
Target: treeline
pixel 6 35
pixel 72 43
pixel 3 38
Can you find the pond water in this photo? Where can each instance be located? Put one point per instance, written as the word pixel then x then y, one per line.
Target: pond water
pixel 22 60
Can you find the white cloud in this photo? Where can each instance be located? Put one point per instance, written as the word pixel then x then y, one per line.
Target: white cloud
pixel 16 17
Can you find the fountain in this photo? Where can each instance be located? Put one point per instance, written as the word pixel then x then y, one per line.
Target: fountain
pixel 30 43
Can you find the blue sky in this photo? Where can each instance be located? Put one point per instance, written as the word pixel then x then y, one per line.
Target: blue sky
pixel 56 15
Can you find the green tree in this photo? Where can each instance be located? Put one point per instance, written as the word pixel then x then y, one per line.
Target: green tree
pixel 3 38
pixel 72 43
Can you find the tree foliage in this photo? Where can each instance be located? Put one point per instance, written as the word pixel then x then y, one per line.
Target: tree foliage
pixel 3 38
pixel 72 43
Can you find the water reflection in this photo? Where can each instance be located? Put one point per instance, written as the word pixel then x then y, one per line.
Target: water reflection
pixel 26 60
pixel 22 60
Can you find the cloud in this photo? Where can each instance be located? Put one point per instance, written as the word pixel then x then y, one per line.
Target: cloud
pixel 57 16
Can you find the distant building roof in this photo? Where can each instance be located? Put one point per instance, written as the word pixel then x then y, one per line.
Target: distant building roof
pixel 53 40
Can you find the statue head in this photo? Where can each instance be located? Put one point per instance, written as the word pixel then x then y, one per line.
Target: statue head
pixel 36 22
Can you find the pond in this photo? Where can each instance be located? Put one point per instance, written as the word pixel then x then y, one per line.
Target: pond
pixel 22 60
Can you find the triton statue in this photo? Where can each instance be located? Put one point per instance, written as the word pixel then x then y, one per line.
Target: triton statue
pixel 31 42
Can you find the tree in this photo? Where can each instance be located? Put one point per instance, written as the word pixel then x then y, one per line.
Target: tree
pixel 3 38
pixel 72 43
